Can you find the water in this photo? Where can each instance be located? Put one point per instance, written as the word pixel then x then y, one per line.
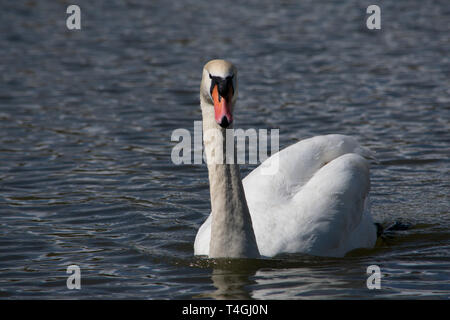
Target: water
pixel 86 118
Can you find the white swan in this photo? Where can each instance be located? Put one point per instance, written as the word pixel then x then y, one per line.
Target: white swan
pixel 316 202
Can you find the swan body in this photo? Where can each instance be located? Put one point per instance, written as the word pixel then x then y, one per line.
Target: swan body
pixel 316 202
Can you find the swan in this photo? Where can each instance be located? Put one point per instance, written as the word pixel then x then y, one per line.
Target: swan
pixel 316 202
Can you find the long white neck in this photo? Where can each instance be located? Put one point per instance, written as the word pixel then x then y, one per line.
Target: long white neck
pixel 232 234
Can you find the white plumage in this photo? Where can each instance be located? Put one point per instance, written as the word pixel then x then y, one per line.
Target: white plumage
pixel 315 202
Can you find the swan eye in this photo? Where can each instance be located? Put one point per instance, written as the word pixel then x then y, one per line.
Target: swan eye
pixel 223 84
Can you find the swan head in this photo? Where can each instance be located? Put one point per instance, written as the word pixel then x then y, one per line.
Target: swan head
pixel 218 91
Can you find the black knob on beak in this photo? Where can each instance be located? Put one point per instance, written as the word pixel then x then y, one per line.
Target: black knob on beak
pixel 224 123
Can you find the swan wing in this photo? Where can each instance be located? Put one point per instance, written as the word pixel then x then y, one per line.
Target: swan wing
pixel 282 175
pixel 317 201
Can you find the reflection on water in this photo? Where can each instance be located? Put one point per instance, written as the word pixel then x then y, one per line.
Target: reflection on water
pixel 230 284
pixel 86 119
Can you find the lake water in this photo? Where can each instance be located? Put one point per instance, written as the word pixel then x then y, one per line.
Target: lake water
pixel 86 117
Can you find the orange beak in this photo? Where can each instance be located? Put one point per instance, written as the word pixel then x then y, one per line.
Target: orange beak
pixel 222 107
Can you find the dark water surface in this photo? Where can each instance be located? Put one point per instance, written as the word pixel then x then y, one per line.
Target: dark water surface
pixel 86 118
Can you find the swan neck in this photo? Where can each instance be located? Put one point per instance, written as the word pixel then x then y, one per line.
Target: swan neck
pixel 232 234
